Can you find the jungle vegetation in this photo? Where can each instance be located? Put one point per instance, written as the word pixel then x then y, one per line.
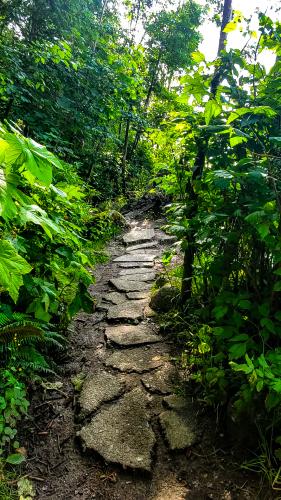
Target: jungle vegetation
pixel 100 103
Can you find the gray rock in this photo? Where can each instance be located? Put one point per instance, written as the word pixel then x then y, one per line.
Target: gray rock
pixel 135 265
pixel 137 257
pixel 121 433
pixel 135 271
pixel 139 236
pixel 138 295
pixel 165 299
pixel 114 297
pixel 128 311
pixel 166 238
pixel 142 246
pixel 135 360
pixel 130 335
pixel 98 389
pixel 148 276
pixel 160 381
pixel 179 431
pixel 125 285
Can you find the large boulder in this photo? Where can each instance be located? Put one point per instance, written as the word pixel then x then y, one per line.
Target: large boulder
pixel 165 299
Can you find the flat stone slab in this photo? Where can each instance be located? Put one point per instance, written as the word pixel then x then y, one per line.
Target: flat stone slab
pixel 136 257
pixel 114 298
pixel 167 238
pixel 139 236
pixel 180 433
pixel 135 265
pixel 125 285
pixel 160 381
pixel 128 311
pixel 138 295
pixel 148 276
pixel 98 389
pixel 130 335
pixel 135 360
pixel 135 271
pixel 142 246
pixel 121 433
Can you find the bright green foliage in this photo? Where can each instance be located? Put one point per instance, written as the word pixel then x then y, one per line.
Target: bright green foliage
pixel 74 79
pixel 227 216
pixel 13 405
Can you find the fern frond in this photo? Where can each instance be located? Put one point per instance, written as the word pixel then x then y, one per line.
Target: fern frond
pixel 19 330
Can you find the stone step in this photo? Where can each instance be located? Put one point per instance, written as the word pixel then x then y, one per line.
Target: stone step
pixel 125 285
pixel 130 335
pixel 135 271
pixel 148 276
pixel 139 236
pixel 136 360
pixel 135 265
pixel 160 381
pixel 132 310
pixel 133 248
pixel 114 298
pixel 97 389
pixel 138 257
pixel 121 433
pixel 138 295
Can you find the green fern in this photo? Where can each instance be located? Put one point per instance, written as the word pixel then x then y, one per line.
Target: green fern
pixel 20 341
pixel 17 327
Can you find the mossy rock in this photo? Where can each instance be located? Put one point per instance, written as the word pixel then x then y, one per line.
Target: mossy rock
pixel 165 299
pixel 118 219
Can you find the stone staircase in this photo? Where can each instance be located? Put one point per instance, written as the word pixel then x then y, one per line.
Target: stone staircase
pixel 125 405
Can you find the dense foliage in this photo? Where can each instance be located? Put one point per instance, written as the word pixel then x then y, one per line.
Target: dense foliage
pixel 224 174
pixel 74 79
pixel 114 111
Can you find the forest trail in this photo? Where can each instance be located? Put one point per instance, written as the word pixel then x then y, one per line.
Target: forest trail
pixel 125 435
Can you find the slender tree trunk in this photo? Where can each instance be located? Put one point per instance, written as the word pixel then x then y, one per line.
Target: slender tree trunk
pixel 226 17
pixel 202 145
pixel 147 101
pixel 124 158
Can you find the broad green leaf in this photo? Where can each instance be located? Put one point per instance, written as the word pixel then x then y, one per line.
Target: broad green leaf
pixel 244 304
pixel 263 110
pixel 238 350
pixel 15 459
pixel 264 230
pixel 276 385
pixel 268 324
pixel 220 311
pixel 241 367
pixel 212 109
pixel 231 26
pixel 12 268
pixel 260 385
pixel 235 140
pixel 198 56
pixel 277 287
pixel 39 168
pixel 35 214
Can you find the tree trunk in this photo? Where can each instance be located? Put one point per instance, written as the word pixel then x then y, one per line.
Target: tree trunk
pixel 202 144
pixel 147 101
pixel 190 249
pixel 124 158
pixel 226 17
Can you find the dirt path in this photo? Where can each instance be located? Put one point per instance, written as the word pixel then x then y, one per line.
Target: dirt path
pixel 126 435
